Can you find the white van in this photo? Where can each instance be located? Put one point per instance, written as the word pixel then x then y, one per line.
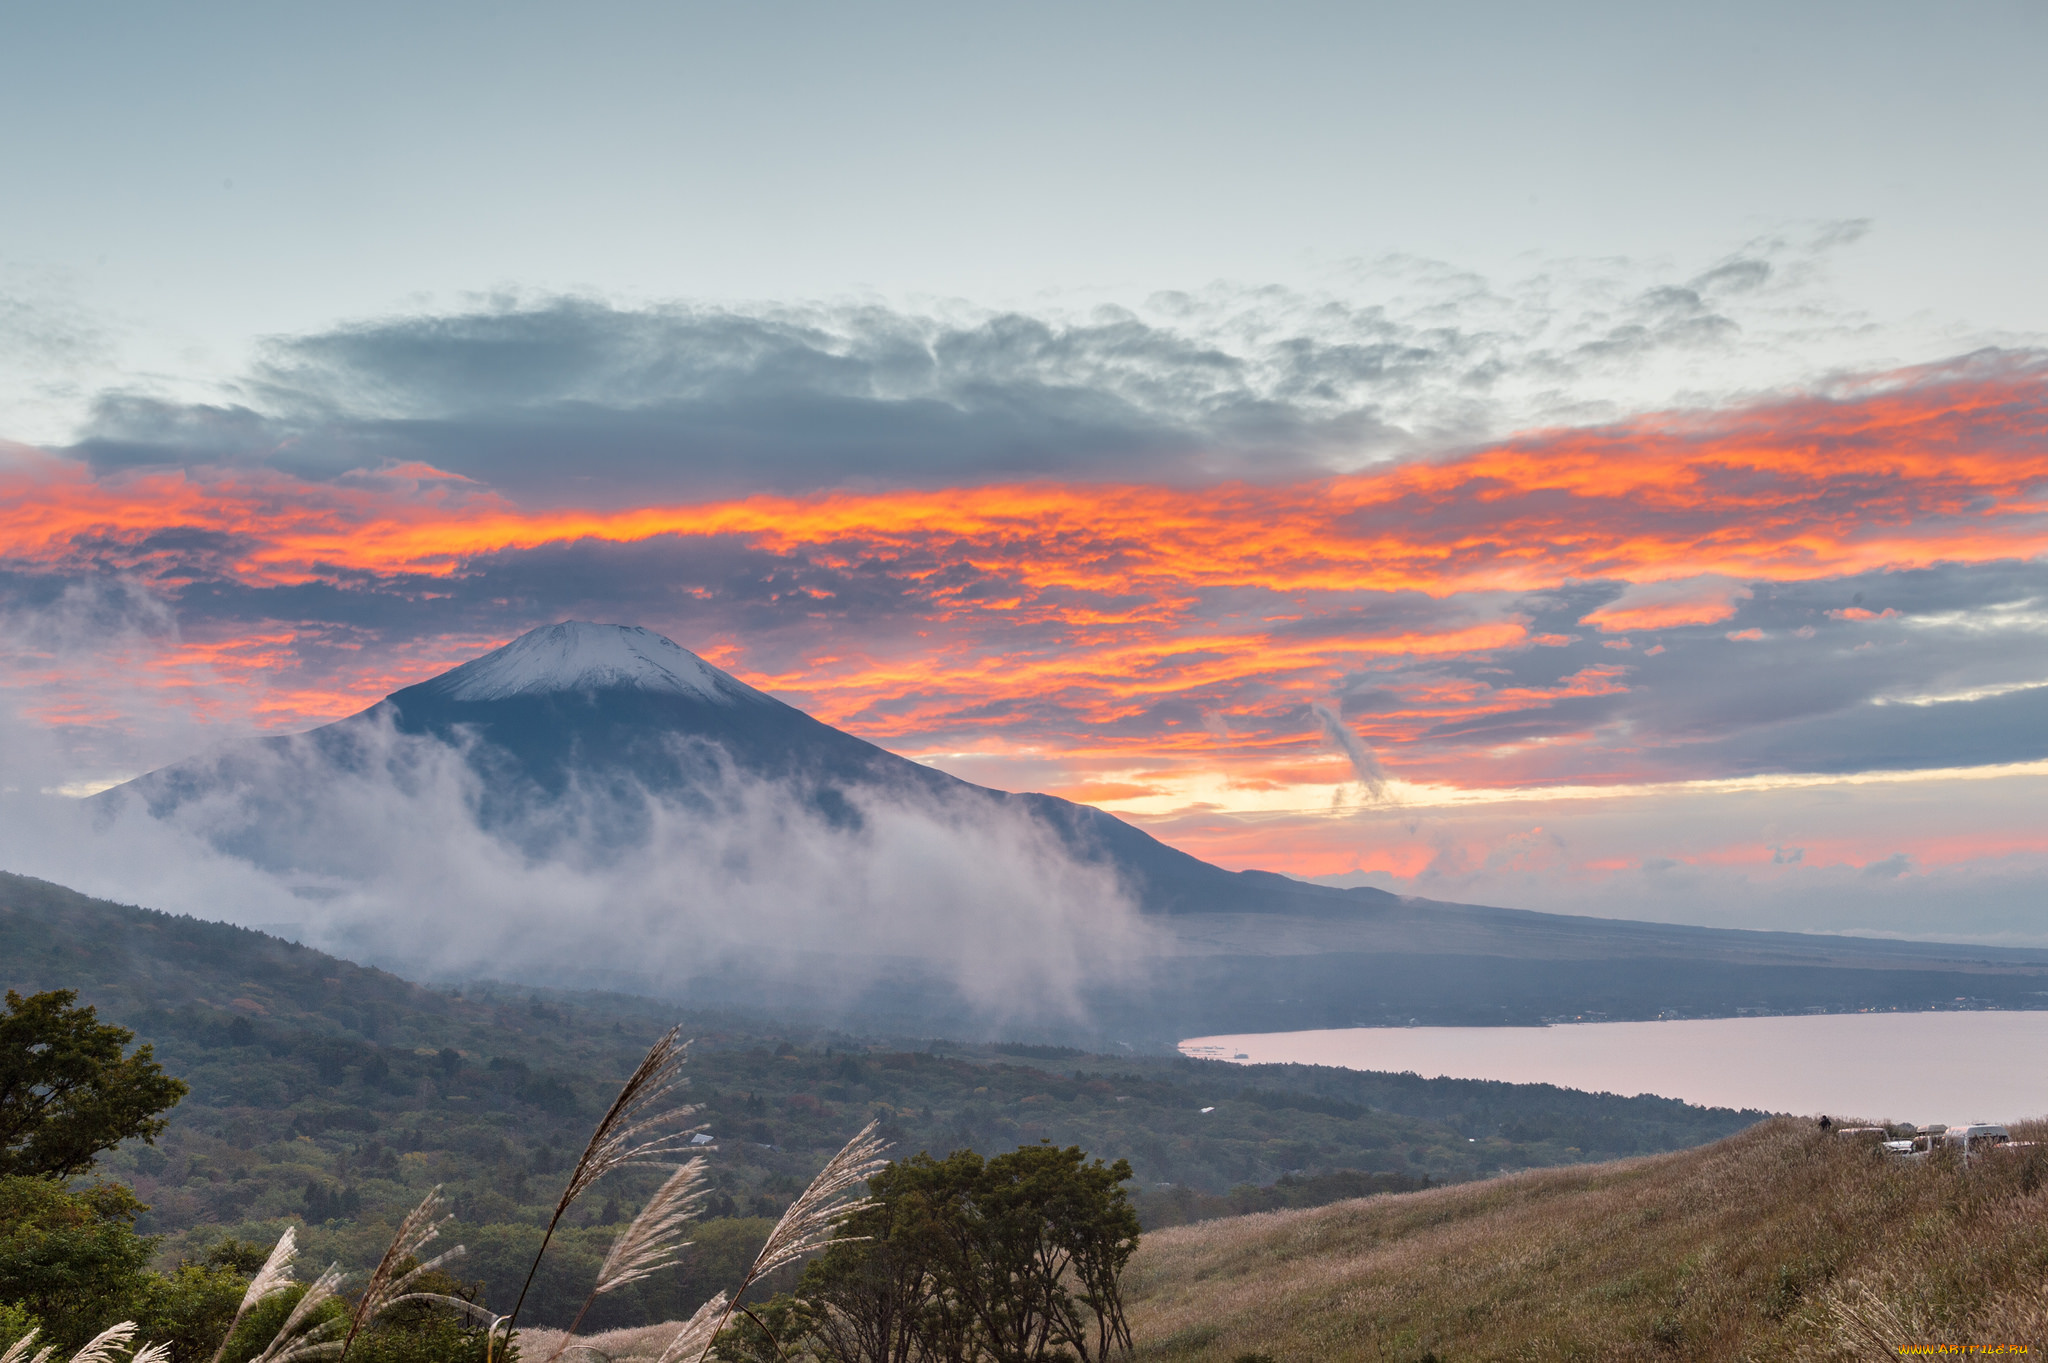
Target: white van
pixel 1976 1136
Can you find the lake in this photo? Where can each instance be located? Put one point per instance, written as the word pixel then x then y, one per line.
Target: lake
pixel 1910 1067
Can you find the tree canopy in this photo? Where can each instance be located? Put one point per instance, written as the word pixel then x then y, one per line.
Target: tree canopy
pixel 67 1092
pixel 1015 1259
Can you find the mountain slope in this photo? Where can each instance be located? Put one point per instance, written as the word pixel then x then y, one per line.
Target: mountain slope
pixel 624 713
pixel 617 724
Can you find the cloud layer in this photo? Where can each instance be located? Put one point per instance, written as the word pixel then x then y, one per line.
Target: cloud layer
pixel 581 400
pixel 1592 604
pixel 1196 566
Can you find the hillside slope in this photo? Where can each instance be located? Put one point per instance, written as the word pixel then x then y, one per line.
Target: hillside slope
pixel 334 1095
pixel 1779 1242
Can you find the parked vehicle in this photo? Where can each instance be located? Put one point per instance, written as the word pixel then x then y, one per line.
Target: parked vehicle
pixel 1976 1136
pixel 1903 1140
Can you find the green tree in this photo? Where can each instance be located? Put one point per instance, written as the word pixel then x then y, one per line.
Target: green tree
pixel 16 1320
pixel 73 1258
pixel 66 1090
pixel 1039 1219
pixel 1016 1259
pixel 188 1308
pixel 883 1286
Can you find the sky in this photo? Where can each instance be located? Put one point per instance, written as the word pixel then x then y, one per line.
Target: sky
pixel 1591 458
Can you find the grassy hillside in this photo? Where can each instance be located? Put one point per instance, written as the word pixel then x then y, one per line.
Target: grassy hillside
pixel 334 1095
pixel 1780 1242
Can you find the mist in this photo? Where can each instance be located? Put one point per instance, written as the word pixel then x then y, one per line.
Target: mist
pixel 399 851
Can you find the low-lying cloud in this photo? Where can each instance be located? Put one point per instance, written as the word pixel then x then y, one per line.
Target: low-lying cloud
pixel 401 851
pixel 387 854
pixel 1365 766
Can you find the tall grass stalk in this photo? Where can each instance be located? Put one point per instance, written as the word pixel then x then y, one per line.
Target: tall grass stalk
pixel 387 1286
pixel 699 1332
pixel 649 1244
pixel 102 1348
pixel 274 1277
pixel 294 1340
pixel 622 1138
pixel 810 1223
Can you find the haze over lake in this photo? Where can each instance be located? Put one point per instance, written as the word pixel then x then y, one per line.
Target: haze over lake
pixel 1916 1067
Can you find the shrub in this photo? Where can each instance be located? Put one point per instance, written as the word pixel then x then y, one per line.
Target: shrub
pixel 16 1320
pixel 74 1255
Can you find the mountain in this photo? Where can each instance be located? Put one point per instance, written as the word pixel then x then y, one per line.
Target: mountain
pixel 621 710
pixel 628 724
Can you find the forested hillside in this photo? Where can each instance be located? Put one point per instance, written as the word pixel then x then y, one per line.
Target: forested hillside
pixel 336 1094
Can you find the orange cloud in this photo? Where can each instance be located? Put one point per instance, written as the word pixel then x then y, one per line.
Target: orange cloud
pixel 1047 614
pixel 1670 604
pixel 1796 490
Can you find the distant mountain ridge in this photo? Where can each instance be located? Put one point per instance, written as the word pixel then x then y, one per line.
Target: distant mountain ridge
pixel 624 715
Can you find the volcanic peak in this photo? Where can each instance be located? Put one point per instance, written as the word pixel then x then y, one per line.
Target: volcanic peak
pixel 578 655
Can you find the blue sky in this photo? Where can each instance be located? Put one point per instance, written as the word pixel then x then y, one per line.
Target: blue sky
pixel 188 179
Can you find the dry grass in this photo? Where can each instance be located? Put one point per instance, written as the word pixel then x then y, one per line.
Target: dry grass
pixel 807 1226
pixel 643 1126
pixel 1777 1243
pixel 640 1344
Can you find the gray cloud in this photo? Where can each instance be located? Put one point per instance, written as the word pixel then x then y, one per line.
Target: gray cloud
pixel 1943 670
pixel 577 399
pixel 574 399
pixel 1364 765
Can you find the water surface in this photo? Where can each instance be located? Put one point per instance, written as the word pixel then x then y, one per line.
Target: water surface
pixel 1912 1067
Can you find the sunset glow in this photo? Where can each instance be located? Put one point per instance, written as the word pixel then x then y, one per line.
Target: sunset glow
pixel 1937 471
pixel 1491 624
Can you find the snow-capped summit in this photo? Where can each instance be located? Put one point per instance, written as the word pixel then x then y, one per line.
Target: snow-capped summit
pixel 578 655
pixel 599 724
